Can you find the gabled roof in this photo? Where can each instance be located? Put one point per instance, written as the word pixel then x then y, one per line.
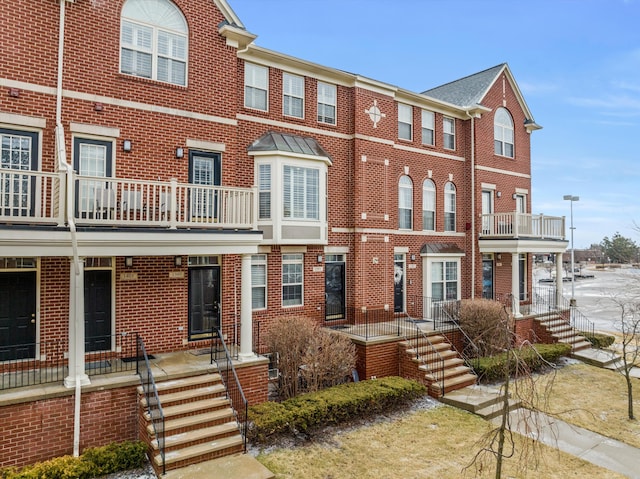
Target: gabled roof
pixel 468 92
pixel 273 141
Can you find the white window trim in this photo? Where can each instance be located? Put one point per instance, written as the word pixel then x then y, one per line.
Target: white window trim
pixel 155 28
pixel 430 127
pixel 447 210
pixel 292 94
pixel 432 192
pixel 256 87
pixel 428 270
pixel 405 117
pixel 323 101
pixel 292 258
pixel 500 126
pixel 401 188
pixel 445 134
pixel 260 260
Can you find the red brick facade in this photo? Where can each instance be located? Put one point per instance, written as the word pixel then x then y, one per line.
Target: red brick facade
pixel 155 296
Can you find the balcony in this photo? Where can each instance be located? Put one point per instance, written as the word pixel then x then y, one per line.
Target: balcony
pixel 522 225
pixel 31 197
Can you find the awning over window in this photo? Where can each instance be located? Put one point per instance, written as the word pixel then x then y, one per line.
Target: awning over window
pixel 287 143
pixel 441 249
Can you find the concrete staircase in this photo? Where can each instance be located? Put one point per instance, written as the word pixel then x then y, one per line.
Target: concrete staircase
pixel 434 362
pixel 561 330
pixel 483 401
pixel 199 422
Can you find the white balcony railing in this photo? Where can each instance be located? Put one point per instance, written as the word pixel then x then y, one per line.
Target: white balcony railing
pixel 30 197
pixel 522 225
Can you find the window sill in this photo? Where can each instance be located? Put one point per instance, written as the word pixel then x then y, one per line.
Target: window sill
pixel 151 81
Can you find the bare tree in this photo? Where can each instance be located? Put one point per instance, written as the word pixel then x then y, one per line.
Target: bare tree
pixel 519 383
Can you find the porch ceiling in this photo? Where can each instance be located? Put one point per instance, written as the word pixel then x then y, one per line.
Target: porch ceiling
pixel 33 242
pixel 522 245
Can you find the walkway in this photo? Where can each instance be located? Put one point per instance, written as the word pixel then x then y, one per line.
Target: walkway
pixel 589 446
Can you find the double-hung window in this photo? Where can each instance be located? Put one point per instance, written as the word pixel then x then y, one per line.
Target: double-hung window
pixel 449 207
pixel 326 103
pixel 256 86
pixel 428 205
pixel 293 95
pixel 449 133
pixel 444 280
pixel 292 279
pixel 405 203
pixel 405 122
pixel 301 193
pixel 428 127
pixel 503 133
pixel 259 281
pixel 153 41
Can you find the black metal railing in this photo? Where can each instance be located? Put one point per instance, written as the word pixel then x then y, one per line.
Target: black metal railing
pixel 232 386
pixel 370 323
pixel 447 322
pixel 154 407
pixel 45 362
pixel 546 302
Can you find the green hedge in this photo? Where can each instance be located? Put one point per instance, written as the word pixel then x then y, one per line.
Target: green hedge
pixel 492 368
pixel 94 462
pixel 331 406
pixel 598 340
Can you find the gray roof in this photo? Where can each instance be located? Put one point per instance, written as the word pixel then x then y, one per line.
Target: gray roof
pixel 441 248
pixel 467 91
pixel 285 142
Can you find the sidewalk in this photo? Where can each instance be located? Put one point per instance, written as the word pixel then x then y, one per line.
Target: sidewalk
pixel 589 446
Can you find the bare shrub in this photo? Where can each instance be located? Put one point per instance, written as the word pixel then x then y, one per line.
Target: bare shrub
pixel 329 360
pixel 487 324
pixel 309 357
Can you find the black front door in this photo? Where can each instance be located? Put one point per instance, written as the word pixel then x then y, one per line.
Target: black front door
pixel 398 284
pixel 204 302
pixel 17 315
pixel 334 290
pixel 97 310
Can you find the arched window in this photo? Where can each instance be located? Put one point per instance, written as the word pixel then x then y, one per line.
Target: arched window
pixel 428 205
pixel 449 207
pixel 503 133
pixel 405 203
pixel 153 41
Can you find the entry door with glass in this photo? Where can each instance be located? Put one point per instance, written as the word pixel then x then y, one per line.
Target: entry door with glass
pixel 487 209
pixel 204 171
pixel 18 151
pixel 334 286
pixel 398 282
pixel 204 302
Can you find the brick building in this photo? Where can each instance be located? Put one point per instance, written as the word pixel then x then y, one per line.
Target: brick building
pixel 162 175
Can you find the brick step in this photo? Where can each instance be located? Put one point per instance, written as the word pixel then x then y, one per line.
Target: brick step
pixel 449 363
pixel 551 323
pixel 200 452
pixel 568 335
pixel 190 382
pixel 433 360
pixel 186 395
pixel 189 408
pixel 452 384
pixel 186 423
pixel 447 373
pixel 434 339
pixel 428 348
pixel 198 436
pixel 560 328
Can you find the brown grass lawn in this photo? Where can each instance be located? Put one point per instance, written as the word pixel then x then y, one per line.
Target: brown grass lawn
pixel 440 442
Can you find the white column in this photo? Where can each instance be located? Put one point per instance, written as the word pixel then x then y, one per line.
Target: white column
pixel 77 372
pixel 559 278
pixel 515 284
pixel 246 326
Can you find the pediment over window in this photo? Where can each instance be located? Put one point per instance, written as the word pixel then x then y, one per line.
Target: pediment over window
pixel 288 144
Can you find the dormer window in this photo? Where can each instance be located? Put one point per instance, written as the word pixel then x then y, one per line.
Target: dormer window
pixel 153 41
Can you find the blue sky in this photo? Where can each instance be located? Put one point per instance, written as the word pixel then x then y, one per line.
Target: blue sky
pixel 577 63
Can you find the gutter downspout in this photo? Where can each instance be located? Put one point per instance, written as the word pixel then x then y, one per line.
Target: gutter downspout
pixel 64 165
pixel 473 205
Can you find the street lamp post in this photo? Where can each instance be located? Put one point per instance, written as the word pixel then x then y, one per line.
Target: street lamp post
pixel 571 199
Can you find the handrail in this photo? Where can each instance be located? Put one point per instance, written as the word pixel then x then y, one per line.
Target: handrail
pixel 154 407
pixel 233 388
pixel 470 359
